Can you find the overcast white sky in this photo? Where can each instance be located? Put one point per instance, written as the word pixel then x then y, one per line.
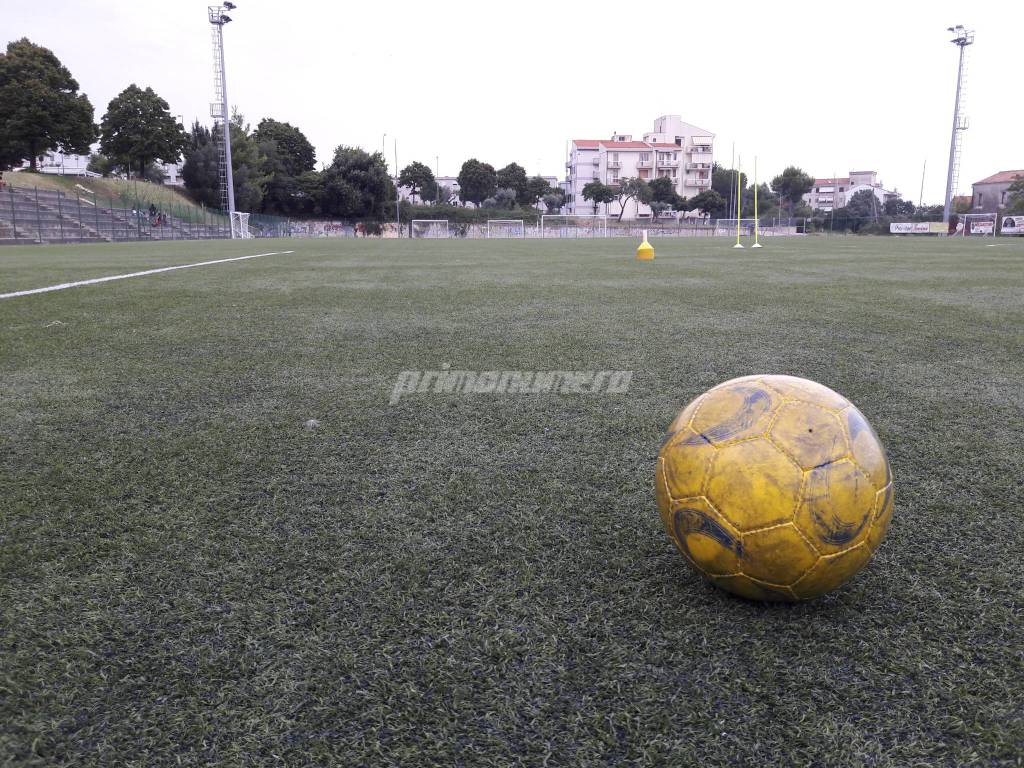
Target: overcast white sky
pixel 855 85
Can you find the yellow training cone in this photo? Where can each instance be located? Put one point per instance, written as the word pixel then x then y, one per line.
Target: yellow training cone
pixel 646 251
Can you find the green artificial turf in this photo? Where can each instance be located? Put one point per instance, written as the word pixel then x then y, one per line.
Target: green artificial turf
pixel 189 575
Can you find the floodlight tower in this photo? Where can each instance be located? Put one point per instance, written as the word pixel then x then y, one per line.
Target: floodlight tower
pixel 219 108
pixel 962 38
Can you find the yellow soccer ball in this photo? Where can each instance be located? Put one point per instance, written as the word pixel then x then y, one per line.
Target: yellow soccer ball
pixel 774 487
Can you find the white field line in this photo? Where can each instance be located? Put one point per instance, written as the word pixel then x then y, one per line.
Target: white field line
pixel 107 279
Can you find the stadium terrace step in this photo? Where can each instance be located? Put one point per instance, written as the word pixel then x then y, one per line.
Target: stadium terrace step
pixel 40 215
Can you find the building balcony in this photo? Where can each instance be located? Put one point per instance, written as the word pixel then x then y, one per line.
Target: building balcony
pixel 698 166
pixel 614 164
pixel 668 163
pixel 643 163
pixel 697 182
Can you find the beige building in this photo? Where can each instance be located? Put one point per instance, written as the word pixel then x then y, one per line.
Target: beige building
pixel 827 194
pixel 991 194
pixel 674 149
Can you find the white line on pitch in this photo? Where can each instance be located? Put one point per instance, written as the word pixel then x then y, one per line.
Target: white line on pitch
pixel 107 279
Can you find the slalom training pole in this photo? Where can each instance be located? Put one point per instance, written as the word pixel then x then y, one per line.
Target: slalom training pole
pixel 739 199
pixel 756 219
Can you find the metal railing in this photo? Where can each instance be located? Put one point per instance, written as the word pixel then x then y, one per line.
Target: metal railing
pixel 33 215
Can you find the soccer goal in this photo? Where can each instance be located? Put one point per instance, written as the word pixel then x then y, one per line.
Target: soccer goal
pixel 428 228
pixel 983 224
pixel 240 226
pixel 727 227
pixel 506 228
pixel 578 225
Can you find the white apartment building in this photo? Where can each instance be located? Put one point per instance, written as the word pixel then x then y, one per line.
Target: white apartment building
pixel 60 164
pixel 674 149
pixel 827 194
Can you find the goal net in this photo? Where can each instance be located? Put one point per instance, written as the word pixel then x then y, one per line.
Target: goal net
pixel 578 225
pixel 727 227
pixel 240 226
pixel 976 224
pixel 428 228
pixel 506 228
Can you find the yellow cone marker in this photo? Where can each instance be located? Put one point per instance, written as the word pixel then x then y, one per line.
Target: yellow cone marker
pixel 646 251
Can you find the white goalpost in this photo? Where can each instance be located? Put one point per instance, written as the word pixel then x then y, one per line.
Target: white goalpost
pixel 429 228
pixel 506 228
pixel 574 225
pixel 983 224
pixel 240 226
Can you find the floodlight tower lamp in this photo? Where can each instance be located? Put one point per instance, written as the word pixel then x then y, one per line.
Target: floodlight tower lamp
pixel 963 38
pixel 219 109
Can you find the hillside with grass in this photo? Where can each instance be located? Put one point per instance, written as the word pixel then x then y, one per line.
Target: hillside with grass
pixel 121 193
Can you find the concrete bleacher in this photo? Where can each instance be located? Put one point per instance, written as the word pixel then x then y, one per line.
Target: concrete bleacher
pixel 51 216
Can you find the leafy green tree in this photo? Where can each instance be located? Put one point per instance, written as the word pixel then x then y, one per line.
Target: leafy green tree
pixel 898 207
pixel 708 202
pixel 504 199
pixel 598 192
pixel 200 173
pixel 513 176
pixel 792 184
pixel 663 191
pixel 1015 196
pixel 554 200
pixel 767 201
pixel 444 194
pixel 863 205
pixel 295 154
pixel 658 208
pixel 139 128
pixel 40 106
pixel 723 181
pixel 633 189
pixel 419 179
pixel 246 165
pixel 356 185
pixel 536 189
pixel 477 181
pixel 100 164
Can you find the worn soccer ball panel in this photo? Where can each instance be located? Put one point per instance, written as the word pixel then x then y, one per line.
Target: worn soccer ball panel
pixel 687 458
pixel 832 571
pixel 683 419
pixel 754 484
pixel 794 491
pixel 793 388
pixel 779 555
pixel 836 510
pixel 810 434
pixel 866 449
pixel 882 516
pixel 744 586
pixel 737 411
pixel 707 541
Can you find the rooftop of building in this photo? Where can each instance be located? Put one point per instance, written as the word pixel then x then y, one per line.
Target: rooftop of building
pixel 1003 177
